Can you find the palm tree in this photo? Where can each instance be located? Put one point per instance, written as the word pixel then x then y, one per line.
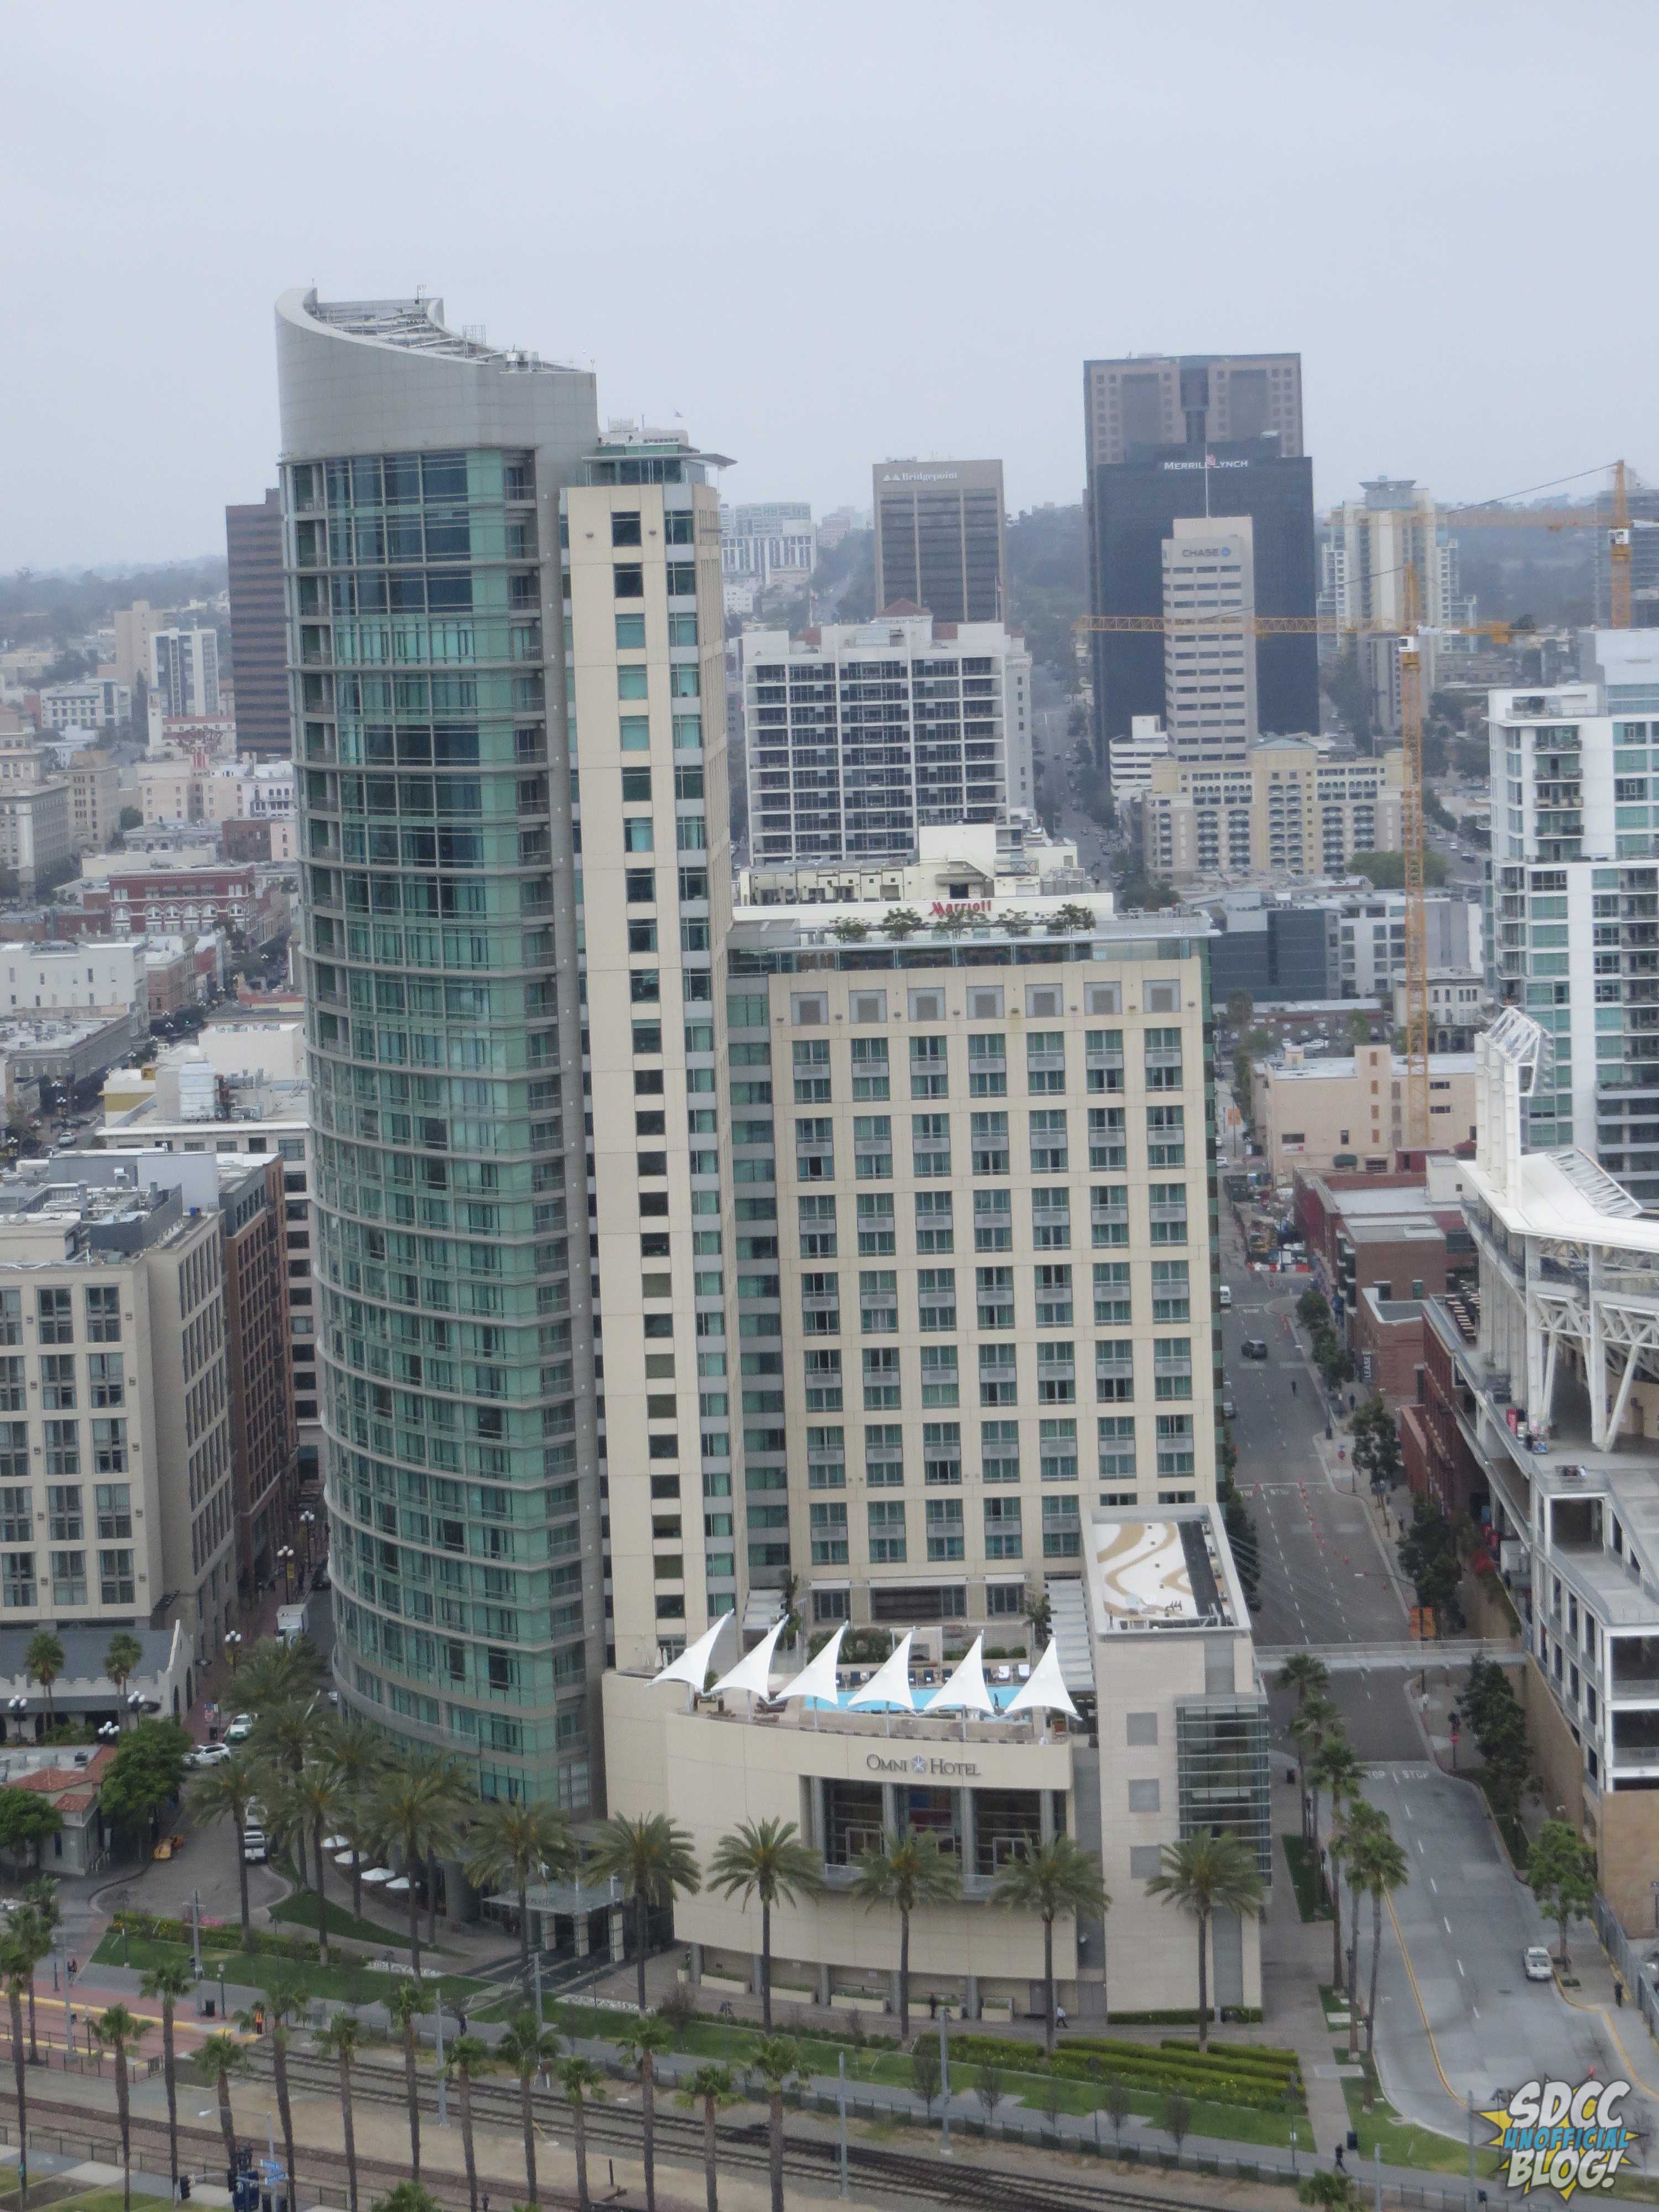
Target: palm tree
pixel 581 2079
pixel 220 2057
pixel 17 1964
pixel 777 2061
pixel 1205 1874
pixel 405 2006
pixel 286 1999
pixel 1055 1878
pixel 710 2087
pixel 169 1981
pixel 766 1859
pixel 514 1844
pixel 468 2055
pixel 119 2031
pixel 1336 1768
pixel 909 1871
pixel 1038 1614
pixel 357 1758
pixel 639 2046
pixel 1302 1672
pixel 419 1812
pixel 1346 1844
pixel 651 1858
pixel 405 2197
pixel 225 1792
pixel 42 1897
pixel 44 1661
pixel 1386 1868
pixel 313 1799
pixel 125 1655
pixel 527 2049
pixel 341 2040
pixel 275 1675
pixel 1310 1723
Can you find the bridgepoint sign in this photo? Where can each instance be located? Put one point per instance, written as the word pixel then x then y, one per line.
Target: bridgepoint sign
pixel 876 1764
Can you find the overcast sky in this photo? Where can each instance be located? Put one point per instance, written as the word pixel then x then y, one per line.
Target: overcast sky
pixel 824 234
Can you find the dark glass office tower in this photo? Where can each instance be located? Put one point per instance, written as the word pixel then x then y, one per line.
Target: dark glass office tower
pixel 421 478
pixel 939 541
pixel 259 647
pixel 1132 506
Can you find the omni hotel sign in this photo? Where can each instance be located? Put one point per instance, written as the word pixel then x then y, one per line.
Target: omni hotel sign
pixel 875 1763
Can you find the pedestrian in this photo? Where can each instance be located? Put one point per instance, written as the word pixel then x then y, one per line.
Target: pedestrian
pixel 1060 2015
pixel 1619 1992
pixel 1340 2167
pixel 1292 1386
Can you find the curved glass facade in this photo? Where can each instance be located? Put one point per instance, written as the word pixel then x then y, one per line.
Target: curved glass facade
pixel 430 838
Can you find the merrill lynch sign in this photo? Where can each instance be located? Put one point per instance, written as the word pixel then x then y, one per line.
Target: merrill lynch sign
pixel 876 1763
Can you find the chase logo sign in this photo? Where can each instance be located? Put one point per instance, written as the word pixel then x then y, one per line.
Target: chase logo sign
pixel 1557 2135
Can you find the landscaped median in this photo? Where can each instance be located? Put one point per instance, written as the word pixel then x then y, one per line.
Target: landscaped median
pixel 139 1941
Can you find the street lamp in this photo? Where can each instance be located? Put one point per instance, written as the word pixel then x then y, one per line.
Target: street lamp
pixel 285 1553
pixel 233 1648
pixel 307 1522
pixel 109 1732
pixel 17 1707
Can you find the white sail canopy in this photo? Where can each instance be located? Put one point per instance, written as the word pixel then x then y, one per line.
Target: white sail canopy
pixel 753 1671
pixel 965 1691
pixel 692 1665
pixel 890 1684
pixel 817 1678
pixel 1046 1691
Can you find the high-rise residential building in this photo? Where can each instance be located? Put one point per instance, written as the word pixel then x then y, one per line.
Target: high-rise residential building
pixel 134 628
pixel 1212 435
pixel 858 733
pixel 1282 810
pixel 440 945
pixel 1386 563
pixel 258 627
pixel 116 1497
pixel 1209 646
pixel 1148 400
pixel 768 541
pixel 184 672
pixel 940 538
pixel 1573 882
pixel 37 837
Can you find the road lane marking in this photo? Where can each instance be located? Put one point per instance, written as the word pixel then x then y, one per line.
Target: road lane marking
pixel 1460 1975
pixel 1447 1923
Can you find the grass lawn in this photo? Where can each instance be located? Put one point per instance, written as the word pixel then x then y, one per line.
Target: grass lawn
pixel 1404 2144
pixel 351 1983
pixel 300 1911
pixel 1299 1857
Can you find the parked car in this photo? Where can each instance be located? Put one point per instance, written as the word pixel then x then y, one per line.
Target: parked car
pixel 256 1847
pixel 1226 1296
pixel 207 1754
pixel 1536 1960
pixel 240 1728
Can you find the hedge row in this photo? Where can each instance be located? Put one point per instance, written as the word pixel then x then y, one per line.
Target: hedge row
pixel 1136 2065
pixel 1261 2056
pixel 226 1937
pixel 1226 2058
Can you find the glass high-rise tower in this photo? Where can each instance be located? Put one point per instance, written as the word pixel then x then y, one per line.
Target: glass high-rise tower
pixel 421 474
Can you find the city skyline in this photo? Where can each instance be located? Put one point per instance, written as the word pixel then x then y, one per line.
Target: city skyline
pixel 132 451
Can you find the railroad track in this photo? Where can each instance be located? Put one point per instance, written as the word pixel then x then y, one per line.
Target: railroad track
pixel 679 2140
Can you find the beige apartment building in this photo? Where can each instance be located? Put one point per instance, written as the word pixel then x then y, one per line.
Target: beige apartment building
pixel 36 845
pixel 1350 1112
pixel 95 789
pixel 1162 1731
pixel 1284 810
pixel 115 1447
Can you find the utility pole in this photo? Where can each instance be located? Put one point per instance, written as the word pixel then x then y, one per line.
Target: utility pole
pixel 536 1971
pixel 944 2084
pixel 840 2100
pixel 443 2078
pixel 1377 2156
pixel 196 1930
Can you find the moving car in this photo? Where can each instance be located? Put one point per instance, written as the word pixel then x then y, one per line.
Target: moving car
pixel 1255 1347
pixel 207 1754
pixel 256 1847
pixel 1229 1408
pixel 1536 1960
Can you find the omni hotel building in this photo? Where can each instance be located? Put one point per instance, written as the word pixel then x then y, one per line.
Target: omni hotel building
pixel 673 1266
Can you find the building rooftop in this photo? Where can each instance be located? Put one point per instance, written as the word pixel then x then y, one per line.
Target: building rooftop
pixel 988 940
pixel 1173 1573
pixel 1565 1195
pixel 413 325
pixel 1323 1070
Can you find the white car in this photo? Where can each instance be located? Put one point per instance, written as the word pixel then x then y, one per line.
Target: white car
pixel 1226 1296
pixel 208 1754
pixel 1537 1962
pixel 240 1728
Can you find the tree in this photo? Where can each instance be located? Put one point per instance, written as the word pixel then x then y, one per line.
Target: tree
pixel 513 1845
pixel 17 1964
pixel 652 1859
pixel 468 2055
pixel 119 2032
pixel 286 1997
pixel 1038 1614
pixel 1384 1867
pixel 146 1773
pixel 1429 1560
pixel 1050 1879
pixel 1336 1768
pixel 1117 2110
pixel 341 2040
pixel 709 2088
pixel 419 1812
pixel 130 818
pixel 1336 2192
pixel 639 2046
pixel 777 2061
pixel 899 921
pixel 169 1981
pixel 1561 1875
pixel 44 1661
pixel 36 1930
pixel 221 2059
pixel 1303 1672
pixel 581 2079
pixel 1499 1721
pixel 404 2008
pixel 1177 2118
pixel 990 2089
pixel 225 1792
pixel 356 1756
pixel 1241 1008
pixel 927 2073
pixel 910 1870
pixel 1205 1874
pixel 527 2049
pixel 25 1819
pixel 1348 1844
pixel 125 1655
pixel 1311 1310
pixel 766 1859
pixel 311 1799
pixel 1312 1720
pixel 405 2197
